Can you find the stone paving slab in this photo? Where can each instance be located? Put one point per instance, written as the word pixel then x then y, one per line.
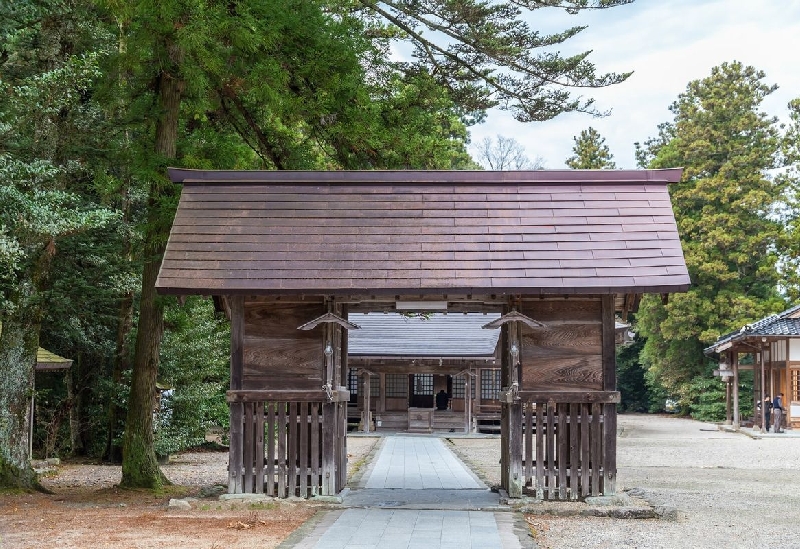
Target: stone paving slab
pixel 418 463
pixel 464 500
pixel 409 529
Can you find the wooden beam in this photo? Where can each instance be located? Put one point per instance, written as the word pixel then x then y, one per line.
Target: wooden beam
pixel 609 359
pixel 237 341
pixel 289 395
pixel 603 397
pixel 407 368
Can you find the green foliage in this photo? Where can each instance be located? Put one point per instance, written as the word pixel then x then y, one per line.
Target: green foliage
pixel 590 152
pixel 631 378
pixel 194 365
pixel 789 266
pixel 50 59
pixel 486 54
pixel 724 208
pixel 705 396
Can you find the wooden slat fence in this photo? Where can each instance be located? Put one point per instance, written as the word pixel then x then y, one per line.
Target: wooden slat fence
pixel 569 449
pixel 284 449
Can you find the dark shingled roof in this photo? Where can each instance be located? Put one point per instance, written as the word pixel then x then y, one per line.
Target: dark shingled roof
pixel 786 323
pixel 391 232
pixel 437 335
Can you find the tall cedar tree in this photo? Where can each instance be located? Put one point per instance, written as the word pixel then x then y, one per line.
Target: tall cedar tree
pixel 590 152
pixel 790 262
pixel 289 80
pixel 486 54
pixel 724 207
pixel 50 55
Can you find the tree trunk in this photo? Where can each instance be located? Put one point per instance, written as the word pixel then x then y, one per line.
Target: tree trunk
pixel 139 465
pixel 18 343
pixel 112 451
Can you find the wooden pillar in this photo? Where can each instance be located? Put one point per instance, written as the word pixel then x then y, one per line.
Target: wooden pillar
pixel 609 359
pixel 728 408
pixel 329 434
pixel 504 468
pixel 476 404
pixel 736 418
pixel 344 366
pixel 467 401
pixel 381 405
pixel 728 415
pixel 762 386
pixel 365 413
pixel 516 477
pixel 236 450
pixel 342 438
pixel 787 396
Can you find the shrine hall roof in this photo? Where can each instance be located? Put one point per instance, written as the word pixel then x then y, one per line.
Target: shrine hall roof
pixel 783 324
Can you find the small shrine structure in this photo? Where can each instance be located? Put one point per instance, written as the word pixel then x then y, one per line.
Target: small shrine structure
pixel 774 342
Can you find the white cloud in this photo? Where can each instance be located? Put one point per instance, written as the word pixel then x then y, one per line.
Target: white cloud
pixel 666 44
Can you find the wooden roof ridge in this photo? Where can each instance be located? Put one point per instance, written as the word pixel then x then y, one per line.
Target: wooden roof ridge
pixel 482 177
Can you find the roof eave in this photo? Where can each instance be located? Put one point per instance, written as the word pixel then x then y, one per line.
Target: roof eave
pixel 566 176
pixel 165 289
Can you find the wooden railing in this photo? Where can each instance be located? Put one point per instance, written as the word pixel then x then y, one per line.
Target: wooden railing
pixel 561 445
pixel 289 449
pixel 567 450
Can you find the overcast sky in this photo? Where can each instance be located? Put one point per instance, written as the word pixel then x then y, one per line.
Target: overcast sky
pixel 667 43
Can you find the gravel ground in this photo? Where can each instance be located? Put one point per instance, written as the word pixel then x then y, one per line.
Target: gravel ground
pixel 191 469
pixel 730 490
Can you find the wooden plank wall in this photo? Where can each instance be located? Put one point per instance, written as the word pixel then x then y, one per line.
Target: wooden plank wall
pixel 565 449
pixel 276 354
pixel 567 355
pixel 288 452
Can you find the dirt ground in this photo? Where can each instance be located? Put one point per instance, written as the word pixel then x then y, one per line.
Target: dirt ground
pixel 87 510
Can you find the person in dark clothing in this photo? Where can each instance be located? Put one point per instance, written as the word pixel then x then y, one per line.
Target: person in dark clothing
pixel 441 400
pixel 767 412
pixel 777 412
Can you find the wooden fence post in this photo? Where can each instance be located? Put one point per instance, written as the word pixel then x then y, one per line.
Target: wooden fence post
pixel 515 473
pixel 328 449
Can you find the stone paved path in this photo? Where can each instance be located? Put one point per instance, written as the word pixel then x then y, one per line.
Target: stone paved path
pixel 415 494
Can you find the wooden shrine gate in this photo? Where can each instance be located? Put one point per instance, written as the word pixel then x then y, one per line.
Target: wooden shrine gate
pixel 288 253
